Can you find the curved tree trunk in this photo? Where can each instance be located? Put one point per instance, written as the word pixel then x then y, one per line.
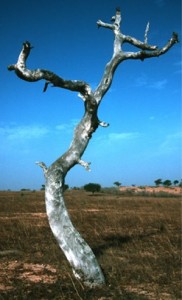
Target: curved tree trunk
pixel 80 256
pixel 76 250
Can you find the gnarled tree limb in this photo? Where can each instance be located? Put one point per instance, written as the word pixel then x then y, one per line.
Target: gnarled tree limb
pixel 147 51
pixel 78 253
pixel 38 74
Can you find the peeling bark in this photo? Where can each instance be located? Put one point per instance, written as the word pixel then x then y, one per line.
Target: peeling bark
pixel 77 251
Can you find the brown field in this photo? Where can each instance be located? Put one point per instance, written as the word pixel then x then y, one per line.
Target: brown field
pixel 137 241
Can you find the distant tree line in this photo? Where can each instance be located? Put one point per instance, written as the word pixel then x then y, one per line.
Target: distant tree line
pixel 167 182
pixel 96 187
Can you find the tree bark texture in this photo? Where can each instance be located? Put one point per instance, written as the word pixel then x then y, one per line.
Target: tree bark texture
pixel 77 251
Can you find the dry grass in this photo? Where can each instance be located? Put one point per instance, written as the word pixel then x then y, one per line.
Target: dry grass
pixel 136 240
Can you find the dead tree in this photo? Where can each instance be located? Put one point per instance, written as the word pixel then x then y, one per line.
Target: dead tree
pixel 78 253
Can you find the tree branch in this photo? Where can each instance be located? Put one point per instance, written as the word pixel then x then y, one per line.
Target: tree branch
pixel 43 166
pixel 106 25
pixel 146 33
pixel 38 74
pixel 144 54
pixel 137 43
pixel 84 164
pixel 119 55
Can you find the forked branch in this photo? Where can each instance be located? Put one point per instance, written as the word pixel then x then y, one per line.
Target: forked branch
pixel 147 51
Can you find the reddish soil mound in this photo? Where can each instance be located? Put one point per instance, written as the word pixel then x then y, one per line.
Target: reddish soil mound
pixel 153 190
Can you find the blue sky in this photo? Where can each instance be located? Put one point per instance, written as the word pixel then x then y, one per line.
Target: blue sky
pixel 142 106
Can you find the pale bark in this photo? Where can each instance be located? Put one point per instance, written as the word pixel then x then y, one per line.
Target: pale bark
pixel 78 253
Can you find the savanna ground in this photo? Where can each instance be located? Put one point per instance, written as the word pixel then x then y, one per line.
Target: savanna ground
pixel 137 240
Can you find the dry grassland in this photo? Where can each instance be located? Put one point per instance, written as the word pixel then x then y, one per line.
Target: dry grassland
pixel 136 240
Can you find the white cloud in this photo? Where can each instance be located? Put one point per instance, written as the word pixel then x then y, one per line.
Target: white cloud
pixel 116 138
pixel 122 136
pixel 68 127
pixel 171 143
pixel 61 127
pixel 178 65
pixel 23 132
pixel 143 81
pixel 158 85
pixel 15 133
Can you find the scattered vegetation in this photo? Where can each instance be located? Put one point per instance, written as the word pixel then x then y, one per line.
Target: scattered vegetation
pixel 117 183
pixel 167 182
pixel 158 182
pixel 135 238
pixel 92 187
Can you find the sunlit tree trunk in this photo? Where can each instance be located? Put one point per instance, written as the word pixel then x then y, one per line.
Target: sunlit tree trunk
pixel 77 251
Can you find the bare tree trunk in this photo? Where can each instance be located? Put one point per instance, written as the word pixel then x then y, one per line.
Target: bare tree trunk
pixel 78 253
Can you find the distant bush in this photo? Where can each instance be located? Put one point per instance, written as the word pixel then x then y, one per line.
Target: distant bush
pixel 66 187
pixel 92 187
